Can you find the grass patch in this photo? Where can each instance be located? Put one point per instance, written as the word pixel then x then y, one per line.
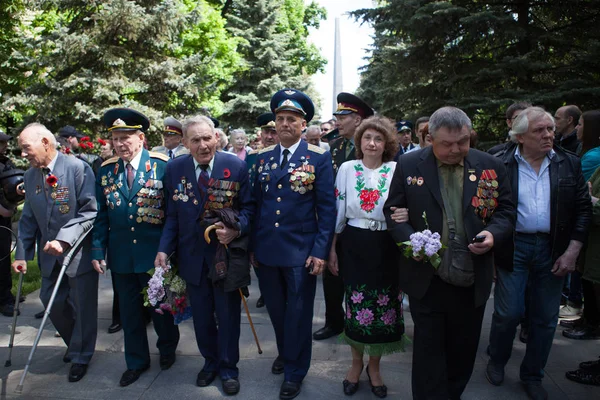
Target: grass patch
pixel 32 280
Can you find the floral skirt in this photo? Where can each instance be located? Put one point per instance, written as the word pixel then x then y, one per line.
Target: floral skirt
pixel 374 322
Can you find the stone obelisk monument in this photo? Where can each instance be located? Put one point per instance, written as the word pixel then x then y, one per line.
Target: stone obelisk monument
pixel 337 64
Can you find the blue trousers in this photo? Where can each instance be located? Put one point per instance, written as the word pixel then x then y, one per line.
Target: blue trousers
pixel 289 294
pixel 533 262
pixel 220 346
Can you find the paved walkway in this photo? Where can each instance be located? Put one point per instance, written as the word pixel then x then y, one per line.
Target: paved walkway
pixel 47 378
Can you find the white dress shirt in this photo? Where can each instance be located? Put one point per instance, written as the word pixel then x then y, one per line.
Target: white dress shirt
pixel 292 149
pixel 197 168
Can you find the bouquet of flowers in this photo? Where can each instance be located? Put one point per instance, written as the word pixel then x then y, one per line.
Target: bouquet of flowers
pixel 166 292
pixel 424 245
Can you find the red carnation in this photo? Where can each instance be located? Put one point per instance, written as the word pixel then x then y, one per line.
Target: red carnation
pixel 102 142
pixel 226 173
pixel 51 180
pixel 67 150
pixel 85 139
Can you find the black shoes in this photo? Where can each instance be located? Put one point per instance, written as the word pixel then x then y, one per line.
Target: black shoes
pixel 379 391
pixel 494 373
pixel 260 302
pixel 535 391
pixel 77 372
pixel 586 332
pixel 205 378
pixel 326 332
pixel 132 375
pixel 66 358
pixel 289 390
pixel 572 323
pixel 595 364
pixel 585 376
pixel 115 327
pixel 8 310
pixel 231 386
pixel 277 367
pixel 166 361
pixel 350 387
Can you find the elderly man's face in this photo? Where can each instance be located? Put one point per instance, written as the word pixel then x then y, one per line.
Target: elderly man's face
pixel 325 128
pixel 451 146
pixel 313 136
pixel 538 139
pixel 289 126
pixel 347 124
pixel 34 148
pixel 202 142
pixel 171 140
pixel 268 137
pixel 127 144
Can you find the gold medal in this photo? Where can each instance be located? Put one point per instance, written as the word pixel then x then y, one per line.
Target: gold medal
pixel 495 183
pixel 472 178
pixel 138 220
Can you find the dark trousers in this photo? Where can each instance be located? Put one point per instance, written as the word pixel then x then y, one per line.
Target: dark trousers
pixel 137 354
pixel 6 296
pixel 220 346
pixel 446 337
pixel 116 313
pixel 74 312
pixel 289 294
pixel 333 290
pixel 591 293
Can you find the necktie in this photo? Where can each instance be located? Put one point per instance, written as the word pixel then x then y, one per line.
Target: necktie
pixel 405 149
pixel 349 148
pixel 203 179
pixel 171 154
pixel 130 176
pixel 284 162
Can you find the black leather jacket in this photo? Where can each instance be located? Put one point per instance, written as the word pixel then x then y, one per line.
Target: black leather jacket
pixel 571 206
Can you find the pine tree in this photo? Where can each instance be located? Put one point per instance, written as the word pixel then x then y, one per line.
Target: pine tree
pixel 481 56
pixel 161 57
pixel 275 52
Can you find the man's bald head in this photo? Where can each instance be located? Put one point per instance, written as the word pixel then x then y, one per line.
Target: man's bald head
pixel 313 135
pixel 38 145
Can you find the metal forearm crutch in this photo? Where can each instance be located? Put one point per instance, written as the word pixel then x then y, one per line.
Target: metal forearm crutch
pixel 8 362
pixel 66 262
pixel 207 238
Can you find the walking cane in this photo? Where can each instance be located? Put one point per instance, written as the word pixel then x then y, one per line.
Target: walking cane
pixel 66 262
pixel 207 238
pixel 8 362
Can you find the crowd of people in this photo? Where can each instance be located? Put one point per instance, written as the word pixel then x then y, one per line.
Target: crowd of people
pixel 347 199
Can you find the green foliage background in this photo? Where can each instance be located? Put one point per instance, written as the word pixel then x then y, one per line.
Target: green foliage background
pixel 65 62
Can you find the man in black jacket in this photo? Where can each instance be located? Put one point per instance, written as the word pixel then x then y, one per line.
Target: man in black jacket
pixel 464 194
pixel 553 215
pixel 566 119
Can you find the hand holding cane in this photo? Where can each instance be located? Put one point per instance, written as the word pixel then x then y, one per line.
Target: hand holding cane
pixel 207 238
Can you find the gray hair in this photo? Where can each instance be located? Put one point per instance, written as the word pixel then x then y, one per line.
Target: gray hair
pixel 197 120
pixel 235 132
pixel 315 128
pixel 520 125
pixel 223 141
pixel 41 132
pixel 452 118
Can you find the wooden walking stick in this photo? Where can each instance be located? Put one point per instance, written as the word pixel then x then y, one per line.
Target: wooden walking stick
pixel 207 238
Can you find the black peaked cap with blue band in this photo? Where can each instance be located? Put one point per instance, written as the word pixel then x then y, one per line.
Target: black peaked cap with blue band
pixel 295 101
pixel 125 119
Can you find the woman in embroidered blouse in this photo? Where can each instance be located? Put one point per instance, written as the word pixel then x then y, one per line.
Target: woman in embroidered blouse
pixel 363 253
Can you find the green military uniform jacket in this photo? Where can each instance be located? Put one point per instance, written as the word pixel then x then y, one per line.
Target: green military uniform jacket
pixel 129 222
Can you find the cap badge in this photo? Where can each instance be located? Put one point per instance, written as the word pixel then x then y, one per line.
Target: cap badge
pixel 289 92
pixel 119 122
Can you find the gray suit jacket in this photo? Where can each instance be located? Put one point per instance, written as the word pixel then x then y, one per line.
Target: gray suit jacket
pixel 64 219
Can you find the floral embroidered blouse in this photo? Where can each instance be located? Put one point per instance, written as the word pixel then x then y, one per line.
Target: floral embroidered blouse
pixel 361 192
